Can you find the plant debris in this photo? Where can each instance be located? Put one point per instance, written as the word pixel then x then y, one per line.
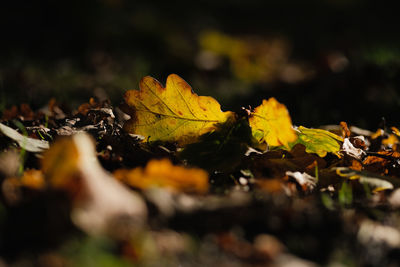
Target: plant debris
pixel 241 189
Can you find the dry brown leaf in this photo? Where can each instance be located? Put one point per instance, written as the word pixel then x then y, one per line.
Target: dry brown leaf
pixel 27 143
pixel 345 129
pixel 24 112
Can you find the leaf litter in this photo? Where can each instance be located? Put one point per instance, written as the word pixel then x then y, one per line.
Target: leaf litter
pixel 202 188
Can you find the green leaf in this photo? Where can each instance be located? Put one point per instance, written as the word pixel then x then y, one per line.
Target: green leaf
pixel 318 141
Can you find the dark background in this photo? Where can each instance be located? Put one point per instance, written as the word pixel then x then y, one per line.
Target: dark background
pixel 72 50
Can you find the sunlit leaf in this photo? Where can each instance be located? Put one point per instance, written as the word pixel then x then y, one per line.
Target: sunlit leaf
pixel 161 173
pixel 272 186
pixel 271 123
pixel 319 141
pixel 171 113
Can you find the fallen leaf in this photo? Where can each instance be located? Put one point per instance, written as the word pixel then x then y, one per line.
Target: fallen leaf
pixel 395 131
pixel 24 112
pixel 270 123
pixel 275 163
pixel 391 141
pixel 356 165
pixel 306 181
pixel 85 107
pixel 27 143
pixel 222 150
pixel 60 165
pixel 162 173
pixel 345 129
pixel 100 201
pixel 55 110
pixel 352 151
pixel 377 134
pixel 383 162
pixel 171 113
pixel 319 141
pixel 271 186
pixel 33 179
pixel 377 182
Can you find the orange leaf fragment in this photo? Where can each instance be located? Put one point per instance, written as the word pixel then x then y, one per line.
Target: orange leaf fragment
pixel 33 179
pixel 391 141
pixel 270 185
pixel 85 107
pixel 162 173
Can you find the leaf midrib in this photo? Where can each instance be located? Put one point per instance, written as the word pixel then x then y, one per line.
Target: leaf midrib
pixel 174 116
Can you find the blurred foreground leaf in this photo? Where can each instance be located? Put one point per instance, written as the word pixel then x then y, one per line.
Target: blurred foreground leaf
pixel 161 173
pixel 99 200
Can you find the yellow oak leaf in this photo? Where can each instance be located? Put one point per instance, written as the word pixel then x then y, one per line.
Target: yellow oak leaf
pixel 162 173
pixel 171 113
pixel 319 141
pixel 271 123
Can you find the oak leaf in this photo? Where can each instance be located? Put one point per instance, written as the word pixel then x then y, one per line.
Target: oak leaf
pixel 162 173
pixel 319 141
pixel 172 113
pixel 271 123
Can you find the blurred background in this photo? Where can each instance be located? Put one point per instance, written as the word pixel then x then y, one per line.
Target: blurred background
pixel 327 60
